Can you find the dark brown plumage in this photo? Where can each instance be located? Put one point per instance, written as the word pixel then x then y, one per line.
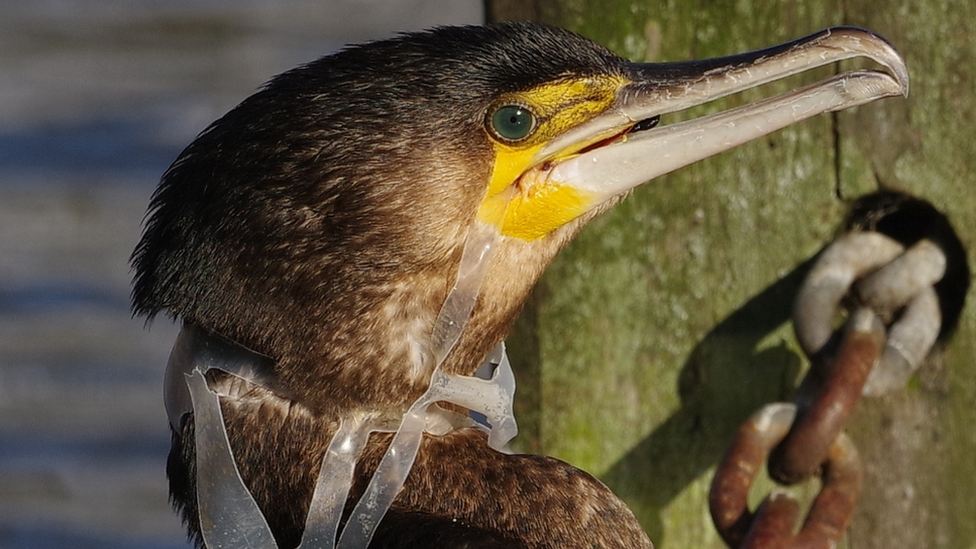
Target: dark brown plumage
pixel 321 223
pixel 332 206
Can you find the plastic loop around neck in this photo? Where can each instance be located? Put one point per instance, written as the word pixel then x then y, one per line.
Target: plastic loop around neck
pixel 229 516
pixel 493 398
pixel 393 469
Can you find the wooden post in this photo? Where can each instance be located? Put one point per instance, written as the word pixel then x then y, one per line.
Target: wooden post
pixel 666 323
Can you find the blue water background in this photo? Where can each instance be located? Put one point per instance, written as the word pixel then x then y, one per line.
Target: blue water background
pixel 96 99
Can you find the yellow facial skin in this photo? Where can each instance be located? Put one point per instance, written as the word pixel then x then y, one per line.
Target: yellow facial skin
pixel 520 200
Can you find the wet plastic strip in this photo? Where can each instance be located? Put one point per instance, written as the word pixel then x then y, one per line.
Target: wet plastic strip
pixel 392 472
pixel 229 516
pixel 222 496
pixel 493 398
pixel 388 479
pixel 461 299
pixel 197 348
pixel 332 487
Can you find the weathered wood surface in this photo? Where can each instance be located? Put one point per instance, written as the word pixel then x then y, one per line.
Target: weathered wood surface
pixel 666 323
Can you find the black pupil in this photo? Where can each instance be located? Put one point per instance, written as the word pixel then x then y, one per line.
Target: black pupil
pixel 512 122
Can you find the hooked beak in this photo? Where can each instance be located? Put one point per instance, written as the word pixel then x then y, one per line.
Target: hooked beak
pixel 623 159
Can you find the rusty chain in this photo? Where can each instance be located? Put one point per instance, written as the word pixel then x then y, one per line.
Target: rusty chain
pixel 893 321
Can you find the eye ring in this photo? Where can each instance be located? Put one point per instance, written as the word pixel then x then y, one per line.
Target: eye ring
pixel 511 122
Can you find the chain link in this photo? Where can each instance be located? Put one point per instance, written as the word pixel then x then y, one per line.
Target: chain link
pixel 893 322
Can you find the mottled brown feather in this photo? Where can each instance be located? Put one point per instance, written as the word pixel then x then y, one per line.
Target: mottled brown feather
pixel 321 223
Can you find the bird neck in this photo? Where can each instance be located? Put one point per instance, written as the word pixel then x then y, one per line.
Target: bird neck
pixel 222 492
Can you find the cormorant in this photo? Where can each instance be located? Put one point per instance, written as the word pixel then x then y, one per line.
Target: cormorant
pixel 318 228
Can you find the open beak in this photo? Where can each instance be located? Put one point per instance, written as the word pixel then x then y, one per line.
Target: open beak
pixel 625 155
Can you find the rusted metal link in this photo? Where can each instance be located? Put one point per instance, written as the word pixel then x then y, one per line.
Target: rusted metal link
pixel 879 273
pixel 884 285
pixel 833 508
pixel 818 424
pixel 772 525
pixel 829 516
pixel 727 499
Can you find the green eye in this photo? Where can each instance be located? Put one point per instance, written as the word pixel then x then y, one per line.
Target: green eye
pixel 512 122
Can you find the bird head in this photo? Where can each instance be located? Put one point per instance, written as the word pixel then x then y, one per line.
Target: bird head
pixel 323 220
